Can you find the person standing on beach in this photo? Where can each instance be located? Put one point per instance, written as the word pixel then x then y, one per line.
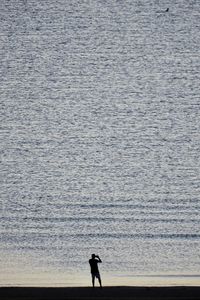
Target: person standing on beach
pixel 94 268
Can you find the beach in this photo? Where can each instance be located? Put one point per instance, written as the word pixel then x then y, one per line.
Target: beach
pixel 120 292
pixel 99 148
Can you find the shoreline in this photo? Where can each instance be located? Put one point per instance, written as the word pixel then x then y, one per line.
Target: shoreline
pixel 108 292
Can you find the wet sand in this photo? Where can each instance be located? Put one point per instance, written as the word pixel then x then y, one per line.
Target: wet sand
pixel 166 293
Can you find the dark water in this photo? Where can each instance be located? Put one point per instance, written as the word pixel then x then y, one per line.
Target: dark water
pixel 99 138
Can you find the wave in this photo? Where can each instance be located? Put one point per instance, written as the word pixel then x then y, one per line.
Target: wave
pixel 161 236
pixel 100 219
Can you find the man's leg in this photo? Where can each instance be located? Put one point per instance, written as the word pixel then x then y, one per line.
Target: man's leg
pixel 93 278
pixel 100 282
pixel 99 278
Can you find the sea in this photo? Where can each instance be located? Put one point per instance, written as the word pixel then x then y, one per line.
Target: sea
pixel 100 142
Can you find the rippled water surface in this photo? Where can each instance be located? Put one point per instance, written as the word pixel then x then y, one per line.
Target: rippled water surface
pixel 99 140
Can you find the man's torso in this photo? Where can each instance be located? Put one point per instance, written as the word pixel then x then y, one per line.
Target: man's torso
pixel 94 265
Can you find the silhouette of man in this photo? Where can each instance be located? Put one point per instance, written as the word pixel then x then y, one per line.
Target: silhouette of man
pixel 94 268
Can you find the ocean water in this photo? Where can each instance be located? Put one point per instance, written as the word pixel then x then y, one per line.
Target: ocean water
pixel 100 141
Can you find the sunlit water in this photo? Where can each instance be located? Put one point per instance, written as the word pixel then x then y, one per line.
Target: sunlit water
pixel 100 141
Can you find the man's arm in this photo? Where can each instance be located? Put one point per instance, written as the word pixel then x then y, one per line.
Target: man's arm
pixel 99 259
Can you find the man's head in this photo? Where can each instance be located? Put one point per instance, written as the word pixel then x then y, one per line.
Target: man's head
pixel 93 256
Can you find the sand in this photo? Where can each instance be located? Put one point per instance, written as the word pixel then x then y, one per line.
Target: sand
pixel 166 293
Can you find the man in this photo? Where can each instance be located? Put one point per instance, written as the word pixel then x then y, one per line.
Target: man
pixel 94 268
